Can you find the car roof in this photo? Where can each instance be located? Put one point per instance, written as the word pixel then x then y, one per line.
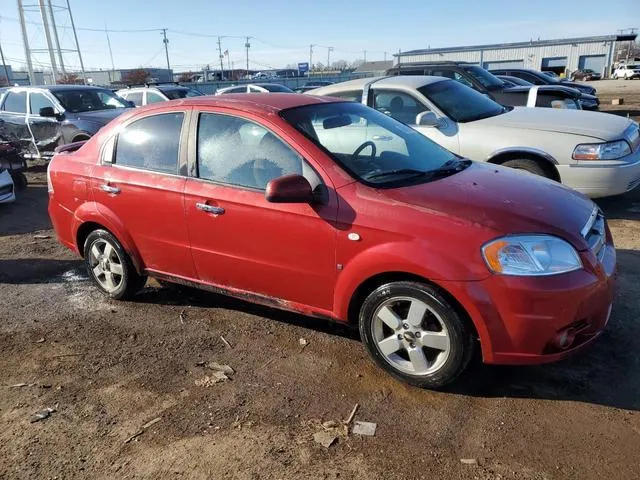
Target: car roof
pixel 410 81
pixel 61 88
pixel 256 102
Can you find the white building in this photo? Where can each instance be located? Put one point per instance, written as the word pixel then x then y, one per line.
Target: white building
pixel 568 54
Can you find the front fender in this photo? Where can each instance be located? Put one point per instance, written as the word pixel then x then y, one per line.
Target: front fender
pixel 414 258
pixel 96 213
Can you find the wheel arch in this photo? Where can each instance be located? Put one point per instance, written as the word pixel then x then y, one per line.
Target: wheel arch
pixel 545 160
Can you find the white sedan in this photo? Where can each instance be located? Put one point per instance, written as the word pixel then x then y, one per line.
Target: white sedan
pixel 595 153
pixel 7 192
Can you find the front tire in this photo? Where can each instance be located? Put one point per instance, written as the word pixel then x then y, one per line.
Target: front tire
pixel 414 333
pixel 528 165
pixel 110 267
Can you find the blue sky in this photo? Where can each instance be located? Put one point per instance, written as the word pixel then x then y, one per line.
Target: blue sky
pixel 283 30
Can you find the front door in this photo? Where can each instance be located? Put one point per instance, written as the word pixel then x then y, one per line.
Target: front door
pixel 46 131
pixel 140 187
pixel 241 241
pixel 13 122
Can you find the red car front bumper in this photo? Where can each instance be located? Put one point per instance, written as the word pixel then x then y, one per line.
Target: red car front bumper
pixel 530 320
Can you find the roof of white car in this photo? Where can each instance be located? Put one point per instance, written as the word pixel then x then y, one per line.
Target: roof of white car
pixel 407 81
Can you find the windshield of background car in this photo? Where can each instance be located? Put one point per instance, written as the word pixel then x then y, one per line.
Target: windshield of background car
pixel 176 93
pixel 488 80
pixel 276 88
pixel 460 103
pixel 88 100
pixel 370 145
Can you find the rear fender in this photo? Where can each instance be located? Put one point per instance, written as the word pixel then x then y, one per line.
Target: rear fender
pixel 92 212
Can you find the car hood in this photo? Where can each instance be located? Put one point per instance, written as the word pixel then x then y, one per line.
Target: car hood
pixel 603 126
pixel 101 117
pixel 504 200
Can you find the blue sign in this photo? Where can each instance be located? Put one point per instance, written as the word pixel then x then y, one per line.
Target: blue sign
pixel 303 67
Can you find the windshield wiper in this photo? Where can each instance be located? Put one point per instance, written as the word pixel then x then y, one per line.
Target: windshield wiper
pixel 450 167
pixel 398 171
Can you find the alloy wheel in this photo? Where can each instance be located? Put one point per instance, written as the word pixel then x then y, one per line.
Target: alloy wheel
pixel 106 265
pixel 411 336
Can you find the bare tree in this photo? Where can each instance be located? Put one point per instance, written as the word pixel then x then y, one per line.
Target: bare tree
pixel 357 62
pixel 70 79
pixel 339 65
pixel 135 77
pixel 186 77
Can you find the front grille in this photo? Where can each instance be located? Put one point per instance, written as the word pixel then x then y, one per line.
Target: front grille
pixel 595 233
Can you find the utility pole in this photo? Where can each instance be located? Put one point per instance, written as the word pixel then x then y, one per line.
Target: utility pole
pixel 229 64
pixel 365 56
pixel 221 57
pixel 4 66
pixel 55 37
pixel 165 40
pixel 25 42
pixel 247 45
pixel 47 34
pixel 399 60
pixel 75 36
pixel 310 57
pixel 329 50
pixel 113 67
pixel 385 56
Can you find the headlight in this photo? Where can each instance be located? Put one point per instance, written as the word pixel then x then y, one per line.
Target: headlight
pixel 531 255
pixel 602 151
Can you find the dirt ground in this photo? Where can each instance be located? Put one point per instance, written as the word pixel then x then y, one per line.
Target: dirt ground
pixel 108 368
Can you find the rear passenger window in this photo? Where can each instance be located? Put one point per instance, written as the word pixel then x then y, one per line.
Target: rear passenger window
pixel 152 143
pixel 16 102
pixel 153 97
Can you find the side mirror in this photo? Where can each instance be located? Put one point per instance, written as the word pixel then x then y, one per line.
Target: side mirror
pixel 428 119
pixel 289 189
pixel 47 112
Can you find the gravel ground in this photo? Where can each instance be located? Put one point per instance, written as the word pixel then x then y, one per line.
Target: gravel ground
pixel 109 368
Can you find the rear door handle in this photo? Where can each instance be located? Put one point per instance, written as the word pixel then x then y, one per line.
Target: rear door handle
pixel 109 189
pixel 210 209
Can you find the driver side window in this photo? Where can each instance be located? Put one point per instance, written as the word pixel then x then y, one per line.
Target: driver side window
pixel 235 151
pixel 398 105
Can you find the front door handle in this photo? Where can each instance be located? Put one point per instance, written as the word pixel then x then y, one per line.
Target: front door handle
pixel 109 189
pixel 210 209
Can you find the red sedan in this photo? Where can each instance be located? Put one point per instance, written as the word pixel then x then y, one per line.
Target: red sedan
pixel 335 210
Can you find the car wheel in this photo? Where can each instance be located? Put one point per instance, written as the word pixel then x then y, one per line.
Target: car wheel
pixel 527 165
pixel 415 334
pixel 110 267
pixel 20 180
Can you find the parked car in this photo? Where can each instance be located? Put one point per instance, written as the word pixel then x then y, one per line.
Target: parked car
pixel 539 78
pixel 627 72
pixel 484 82
pixel 585 75
pixel 254 88
pixel 572 94
pixel 597 154
pixel 286 200
pixel 7 190
pixel 551 73
pixel 311 85
pixel 147 94
pixel 42 118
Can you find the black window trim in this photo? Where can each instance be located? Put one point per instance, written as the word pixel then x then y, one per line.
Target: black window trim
pixel 182 151
pixel 193 150
pixel 16 91
pixel 413 94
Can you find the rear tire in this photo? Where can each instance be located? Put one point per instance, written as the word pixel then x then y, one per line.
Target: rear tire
pixel 110 267
pixel 528 165
pixel 20 180
pixel 413 332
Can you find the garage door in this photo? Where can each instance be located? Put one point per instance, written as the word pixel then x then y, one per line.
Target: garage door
pixel 554 62
pixel 591 62
pixel 504 64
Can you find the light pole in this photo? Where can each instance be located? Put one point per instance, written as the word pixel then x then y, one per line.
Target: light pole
pixel 247 45
pixel 329 50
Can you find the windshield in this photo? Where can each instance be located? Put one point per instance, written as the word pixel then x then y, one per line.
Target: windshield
pixel 176 93
pixel 370 145
pixel 88 100
pixel 488 80
pixel 276 88
pixel 459 102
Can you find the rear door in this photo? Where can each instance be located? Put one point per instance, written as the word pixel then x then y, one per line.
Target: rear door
pixel 241 241
pixel 139 186
pixel 13 122
pixel 46 131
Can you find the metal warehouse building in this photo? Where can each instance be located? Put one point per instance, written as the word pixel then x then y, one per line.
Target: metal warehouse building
pixel 564 55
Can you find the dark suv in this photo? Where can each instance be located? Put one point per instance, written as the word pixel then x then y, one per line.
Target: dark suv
pixel 41 118
pixel 481 80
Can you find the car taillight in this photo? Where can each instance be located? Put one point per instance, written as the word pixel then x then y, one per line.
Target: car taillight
pixel 49 183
